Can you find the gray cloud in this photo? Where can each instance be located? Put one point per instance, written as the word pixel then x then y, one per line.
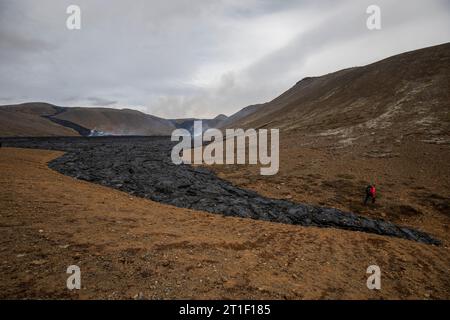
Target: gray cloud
pixel 183 58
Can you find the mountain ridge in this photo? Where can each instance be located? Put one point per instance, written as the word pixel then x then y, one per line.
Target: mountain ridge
pixel 400 95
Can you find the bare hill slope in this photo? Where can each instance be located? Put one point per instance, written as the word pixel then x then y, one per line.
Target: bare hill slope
pixel 399 96
pixel 27 120
pixel 43 119
pixel 118 122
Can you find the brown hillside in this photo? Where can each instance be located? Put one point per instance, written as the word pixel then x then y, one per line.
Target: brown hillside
pixel 28 120
pixel 408 94
pixel 25 120
pixel 118 122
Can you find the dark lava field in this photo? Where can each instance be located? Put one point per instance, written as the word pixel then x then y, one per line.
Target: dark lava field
pixel 142 166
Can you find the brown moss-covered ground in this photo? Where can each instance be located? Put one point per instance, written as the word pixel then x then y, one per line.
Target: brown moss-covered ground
pixel 128 247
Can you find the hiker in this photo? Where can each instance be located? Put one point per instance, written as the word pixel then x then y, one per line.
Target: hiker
pixel 370 193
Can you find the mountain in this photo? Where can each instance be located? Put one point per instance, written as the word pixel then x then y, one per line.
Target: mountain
pixel 380 103
pixel 28 119
pixel 407 94
pixel 221 117
pixel 117 122
pixel 188 123
pixel 234 118
pixel 43 119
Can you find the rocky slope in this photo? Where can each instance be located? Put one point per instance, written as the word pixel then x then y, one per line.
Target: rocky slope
pixel 381 103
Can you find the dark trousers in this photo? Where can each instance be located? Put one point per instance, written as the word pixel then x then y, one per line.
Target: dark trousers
pixel 368 196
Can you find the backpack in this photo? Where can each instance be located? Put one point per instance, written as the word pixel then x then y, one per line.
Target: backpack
pixel 370 190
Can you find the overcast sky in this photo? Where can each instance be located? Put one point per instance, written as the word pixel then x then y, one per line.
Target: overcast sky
pixel 196 58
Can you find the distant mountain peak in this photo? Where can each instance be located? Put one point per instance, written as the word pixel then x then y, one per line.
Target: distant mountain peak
pixel 221 117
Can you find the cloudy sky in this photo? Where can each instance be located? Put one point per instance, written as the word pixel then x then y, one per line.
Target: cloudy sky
pixel 196 58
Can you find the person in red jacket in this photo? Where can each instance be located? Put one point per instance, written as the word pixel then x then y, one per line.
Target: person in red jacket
pixel 371 193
